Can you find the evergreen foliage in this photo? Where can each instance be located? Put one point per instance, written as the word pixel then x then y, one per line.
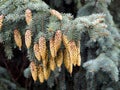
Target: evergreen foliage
pixel 94 29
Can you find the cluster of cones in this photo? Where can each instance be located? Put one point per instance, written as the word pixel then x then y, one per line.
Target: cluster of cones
pixel 55 56
pixel 49 52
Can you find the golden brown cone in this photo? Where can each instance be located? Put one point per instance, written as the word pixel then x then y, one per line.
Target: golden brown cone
pixel 70 69
pixel 42 47
pixel 17 38
pixel 59 58
pixel 28 16
pixel 52 49
pixel 47 72
pixel 79 55
pixel 36 51
pixel 28 38
pixel 56 13
pixel 65 41
pixel 57 41
pixel 45 62
pixel 72 48
pixel 40 74
pixel 33 69
pixel 67 61
pixel 52 63
pixel 1 21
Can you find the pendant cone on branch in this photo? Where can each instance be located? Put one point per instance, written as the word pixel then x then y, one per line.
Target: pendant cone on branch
pixel 28 16
pixel 42 47
pixel 28 38
pixel 1 21
pixel 65 41
pixel 17 38
pixel 56 13
pixel 52 63
pixel 67 61
pixel 52 49
pixel 57 41
pixel 70 69
pixel 40 74
pixel 59 58
pixel 33 69
pixel 72 48
pixel 37 51
pixel 45 62
pixel 47 72
pixel 73 52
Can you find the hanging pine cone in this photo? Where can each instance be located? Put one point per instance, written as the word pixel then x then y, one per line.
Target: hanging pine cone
pixel 42 47
pixel 78 55
pixel 28 16
pixel 33 69
pixel 17 38
pixel 52 63
pixel 56 13
pixel 57 41
pixel 72 48
pixel 1 21
pixel 70 69
pixel 28 38
pixel 45 62
pixel 47 72
pixel 59 58
pixel 37 51
pixel 40 74
pixel 52 49
pixel 65 41
pixel 67 61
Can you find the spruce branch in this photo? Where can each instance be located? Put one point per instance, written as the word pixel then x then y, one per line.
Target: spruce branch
pixel 105 64
pixel 45 22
